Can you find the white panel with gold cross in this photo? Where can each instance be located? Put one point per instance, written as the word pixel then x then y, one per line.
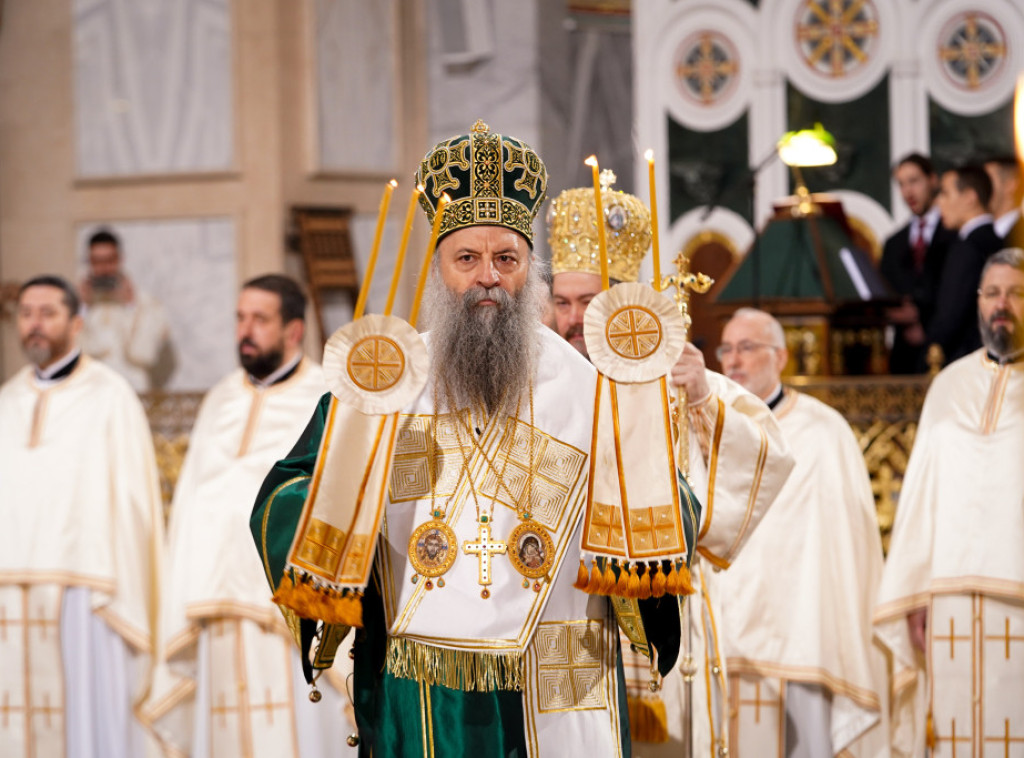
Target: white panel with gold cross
pixel 250 696
pixel 757 715
pixel 32 682
pixel 976 659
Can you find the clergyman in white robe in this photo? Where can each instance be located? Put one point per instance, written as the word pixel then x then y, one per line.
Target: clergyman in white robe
pixel 956 551
pixel 805 677
pixel 231 683
pixel 79 558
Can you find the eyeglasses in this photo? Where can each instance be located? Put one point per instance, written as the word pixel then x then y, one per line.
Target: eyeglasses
pixel 1013 294
pixel 743 348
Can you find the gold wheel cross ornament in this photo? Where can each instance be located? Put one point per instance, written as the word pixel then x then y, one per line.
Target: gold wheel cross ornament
pixel 633 332
pixel 376 363
pixel 707 68
pixel 973 51
pixel 835 36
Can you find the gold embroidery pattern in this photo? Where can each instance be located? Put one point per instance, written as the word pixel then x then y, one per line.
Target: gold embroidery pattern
pixel 376 363
pixel 627 613
pixel 633 332
pixel 411 471
pixel 439 168
pixel 534 176
pixel 570 666
pixel 559 467
pixel 321 547
pixel 605 529
pixel 653 529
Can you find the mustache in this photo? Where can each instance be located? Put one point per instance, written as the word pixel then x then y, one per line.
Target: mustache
pixel 475 295
pixel 246 342
pixel 576 330
pixel 1001 313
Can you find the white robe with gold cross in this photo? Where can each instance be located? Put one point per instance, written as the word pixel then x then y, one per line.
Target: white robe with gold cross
pixel 738 463
pixel 79 563
pixel 797 603
pixel 229 682
pixel 956 550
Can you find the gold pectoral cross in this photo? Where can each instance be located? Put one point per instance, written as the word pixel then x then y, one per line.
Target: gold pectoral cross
pixel 484 548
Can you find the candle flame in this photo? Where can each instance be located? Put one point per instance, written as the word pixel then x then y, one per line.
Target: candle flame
pixel 1018 119
pixel 649 155
pixel 591 161
pixel 393 183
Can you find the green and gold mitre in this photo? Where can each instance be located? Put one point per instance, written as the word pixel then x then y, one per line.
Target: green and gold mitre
pixel 490 178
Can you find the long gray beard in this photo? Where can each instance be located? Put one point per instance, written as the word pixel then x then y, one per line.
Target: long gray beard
pixel 484 354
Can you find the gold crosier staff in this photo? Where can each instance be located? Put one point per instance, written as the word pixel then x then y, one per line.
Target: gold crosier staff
pixel 683 283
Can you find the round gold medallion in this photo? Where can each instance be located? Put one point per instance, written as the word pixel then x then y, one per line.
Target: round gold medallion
pixel 531 549
pixel 633 332
pixel 375 363
pixel 432 548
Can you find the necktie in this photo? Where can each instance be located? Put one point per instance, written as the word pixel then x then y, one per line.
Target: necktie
pixel 920 246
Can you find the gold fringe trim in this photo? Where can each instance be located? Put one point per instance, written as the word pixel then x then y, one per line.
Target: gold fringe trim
pixel 466 670
pixel 638 580
pixel 320 603
pixel 648 720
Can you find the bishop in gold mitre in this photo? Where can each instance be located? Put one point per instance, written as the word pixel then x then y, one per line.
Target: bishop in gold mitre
pixel 737 462
pixel 474 639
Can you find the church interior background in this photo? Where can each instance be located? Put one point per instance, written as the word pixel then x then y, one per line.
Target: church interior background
pixel 199 130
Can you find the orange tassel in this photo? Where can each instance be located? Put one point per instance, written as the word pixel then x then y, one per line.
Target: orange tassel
pixel 633 584
pixel 594 584
pixel 685 585
pixel 929 731
pixel 672 581
pixel 581 577
pixel 608 580
pixel 645 584
pixel 622 586
pixel 658 582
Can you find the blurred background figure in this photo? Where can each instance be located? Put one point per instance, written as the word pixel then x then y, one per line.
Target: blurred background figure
pixel 912 261
pixel 124 327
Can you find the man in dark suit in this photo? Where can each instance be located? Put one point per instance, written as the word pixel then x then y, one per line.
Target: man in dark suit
pixel 1007 194
pixel 912 261
pixel 964 195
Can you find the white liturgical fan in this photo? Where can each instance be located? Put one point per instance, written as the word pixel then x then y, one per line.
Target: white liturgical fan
pixel 377 364
pixel 633 333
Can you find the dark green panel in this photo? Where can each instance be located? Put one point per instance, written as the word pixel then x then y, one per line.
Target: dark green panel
pixel 861 129
pixel 786 265
pixel 959 139
pixel 706 167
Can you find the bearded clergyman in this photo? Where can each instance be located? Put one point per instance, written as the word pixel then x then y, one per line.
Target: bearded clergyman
pixel 951 603
pixel 80 546
pixel 466 647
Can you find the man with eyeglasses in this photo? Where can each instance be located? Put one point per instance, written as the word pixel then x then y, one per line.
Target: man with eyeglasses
pixel 797 630
pixel 951 604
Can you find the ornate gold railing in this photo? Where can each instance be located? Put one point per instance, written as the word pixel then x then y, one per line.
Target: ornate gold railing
pixel 883 412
